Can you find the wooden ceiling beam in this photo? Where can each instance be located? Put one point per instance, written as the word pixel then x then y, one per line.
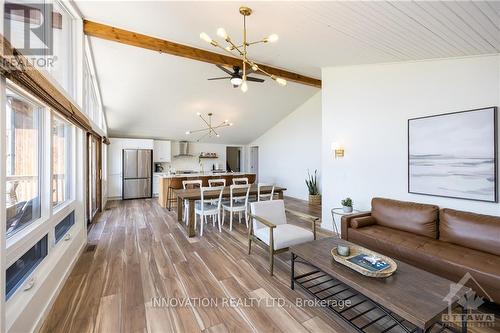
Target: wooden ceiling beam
pixel 107 32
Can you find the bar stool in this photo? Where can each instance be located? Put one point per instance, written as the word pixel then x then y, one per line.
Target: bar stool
pixel 174 184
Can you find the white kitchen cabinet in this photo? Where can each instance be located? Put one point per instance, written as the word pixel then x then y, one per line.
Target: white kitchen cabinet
pixel 156 185
pixel 162 151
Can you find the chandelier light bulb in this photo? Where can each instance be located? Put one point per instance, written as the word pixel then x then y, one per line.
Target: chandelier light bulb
pixel 255 67
pixel 231 124
pixel 221 32
pixel 244 86
pixel 188 132
pixel 229 48
pixel 206 37
pixel 226 121
pixel 281 81
pixel 198 113
pixel 272 38
pixel 217 135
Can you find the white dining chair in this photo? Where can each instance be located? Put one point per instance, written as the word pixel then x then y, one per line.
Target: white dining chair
pixel 217 182
pixel 189 184
pixel 237 204
pixel 207 207
pixel 240 181
pixel 264 196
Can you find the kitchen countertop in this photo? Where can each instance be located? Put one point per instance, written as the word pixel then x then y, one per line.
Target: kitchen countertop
pixel 201 174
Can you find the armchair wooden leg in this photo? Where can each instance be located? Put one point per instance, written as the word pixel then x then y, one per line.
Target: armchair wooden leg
pixel 249 245
pixel 271 251
pixel 271 261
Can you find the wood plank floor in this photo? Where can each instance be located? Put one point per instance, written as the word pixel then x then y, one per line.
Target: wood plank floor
pixel 137 254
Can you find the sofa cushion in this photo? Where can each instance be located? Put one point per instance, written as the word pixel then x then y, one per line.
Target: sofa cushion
pixel 364 221
pixel 416 218
pixel 475 231
pixel 441 258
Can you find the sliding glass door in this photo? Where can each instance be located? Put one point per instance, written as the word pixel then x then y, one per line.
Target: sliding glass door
pixel 94 176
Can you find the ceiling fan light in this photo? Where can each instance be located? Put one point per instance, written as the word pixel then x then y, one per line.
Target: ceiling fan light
pixel 281 81
pixel 272 38
pixel 221 32
pixel 244 86
pixel 236 81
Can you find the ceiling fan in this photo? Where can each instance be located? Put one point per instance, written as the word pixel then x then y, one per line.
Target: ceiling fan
pixel 236 76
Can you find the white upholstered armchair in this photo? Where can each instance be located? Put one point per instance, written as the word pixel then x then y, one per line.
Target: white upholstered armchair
pixel 269 228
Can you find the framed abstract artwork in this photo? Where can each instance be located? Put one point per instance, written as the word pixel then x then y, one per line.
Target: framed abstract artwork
pixel 454 155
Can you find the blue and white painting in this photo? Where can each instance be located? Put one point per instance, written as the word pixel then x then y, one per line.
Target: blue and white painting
pixel 453 155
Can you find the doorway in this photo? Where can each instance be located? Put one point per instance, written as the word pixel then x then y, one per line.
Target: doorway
pixel 233 159
pixel 254 162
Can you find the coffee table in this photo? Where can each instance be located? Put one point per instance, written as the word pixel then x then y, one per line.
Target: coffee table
pixel 410 300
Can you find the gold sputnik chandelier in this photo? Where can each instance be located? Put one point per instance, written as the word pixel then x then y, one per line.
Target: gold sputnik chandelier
pixel 240 51
pixel 210 130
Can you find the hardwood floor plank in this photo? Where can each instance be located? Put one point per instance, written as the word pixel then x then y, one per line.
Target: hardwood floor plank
pixel 282 318
pixel 108 316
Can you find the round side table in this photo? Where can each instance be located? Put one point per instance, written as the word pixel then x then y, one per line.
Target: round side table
pixel 340 211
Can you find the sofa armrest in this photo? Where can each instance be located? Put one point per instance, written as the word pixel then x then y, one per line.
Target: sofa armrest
pixel 345 223
pixel 360 222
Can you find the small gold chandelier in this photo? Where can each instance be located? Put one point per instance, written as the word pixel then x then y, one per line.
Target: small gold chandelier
pixel 210 130
pixel 241 50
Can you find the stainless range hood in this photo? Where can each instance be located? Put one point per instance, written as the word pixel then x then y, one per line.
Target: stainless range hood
pixel 183 149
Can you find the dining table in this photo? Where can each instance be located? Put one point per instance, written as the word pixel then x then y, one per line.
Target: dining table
pixel 194 194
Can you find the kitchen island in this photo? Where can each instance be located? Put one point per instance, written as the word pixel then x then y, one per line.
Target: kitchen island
pixel 174 181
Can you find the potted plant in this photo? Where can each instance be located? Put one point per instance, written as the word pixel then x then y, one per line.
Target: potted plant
pixel 347 205
pixel 312 186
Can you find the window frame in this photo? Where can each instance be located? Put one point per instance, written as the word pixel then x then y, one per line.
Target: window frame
pixel 42 110
pixel 69 161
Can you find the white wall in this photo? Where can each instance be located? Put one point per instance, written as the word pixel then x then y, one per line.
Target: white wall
pixel 366 108
pixel 291 147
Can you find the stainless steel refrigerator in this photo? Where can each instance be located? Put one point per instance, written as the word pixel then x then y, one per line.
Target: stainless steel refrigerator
pixel 137 166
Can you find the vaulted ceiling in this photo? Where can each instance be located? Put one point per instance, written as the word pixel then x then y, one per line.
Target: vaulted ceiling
pixel 150 94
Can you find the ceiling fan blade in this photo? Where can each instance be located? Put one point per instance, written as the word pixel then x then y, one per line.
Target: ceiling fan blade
pixel 220 78
pixel 222 68
pixel 254 79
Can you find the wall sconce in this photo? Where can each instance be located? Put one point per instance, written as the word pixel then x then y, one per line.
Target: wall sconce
pixel 338 150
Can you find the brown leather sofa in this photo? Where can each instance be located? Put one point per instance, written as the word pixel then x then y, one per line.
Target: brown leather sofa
pixel 445 242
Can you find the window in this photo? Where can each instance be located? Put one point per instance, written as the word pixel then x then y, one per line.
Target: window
pixel 61 160
pixel 23 132
pixel 91 105
pixel 19 271
pixel 62 68
pixel 63 226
